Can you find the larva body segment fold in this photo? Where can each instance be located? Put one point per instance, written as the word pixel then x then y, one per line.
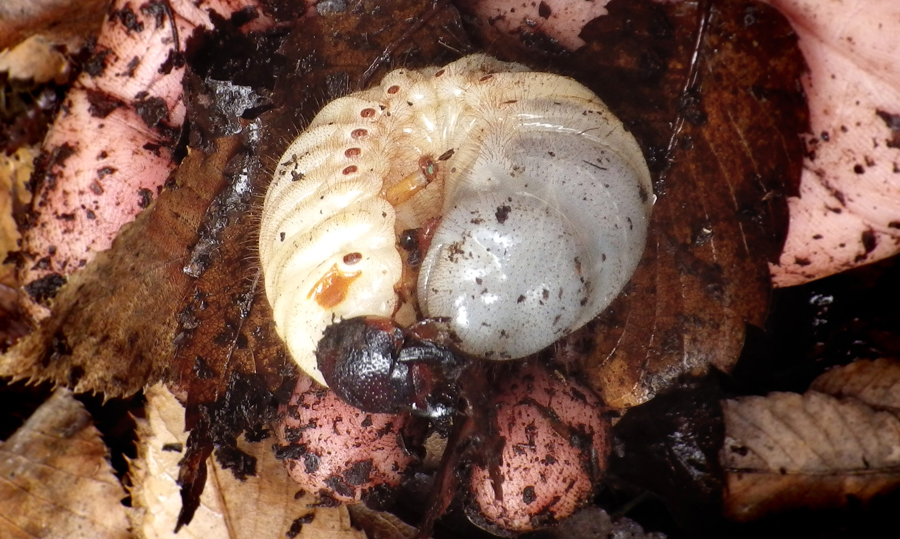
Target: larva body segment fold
pixel 543 201
pixel 327 240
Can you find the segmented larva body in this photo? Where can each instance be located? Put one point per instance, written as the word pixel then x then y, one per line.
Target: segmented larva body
pixel 542 201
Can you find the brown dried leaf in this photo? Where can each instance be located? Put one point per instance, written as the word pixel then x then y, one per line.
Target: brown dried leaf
pixel 265 505
pixel 56 481
pixel 787 450
pixel 63 19
pixel 876 383
pixel 112 326
pixel 379 524
pixel 35 59
pixel 721 179
pixel 15 170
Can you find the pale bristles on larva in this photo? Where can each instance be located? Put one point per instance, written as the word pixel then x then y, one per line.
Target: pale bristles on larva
pixel 543 200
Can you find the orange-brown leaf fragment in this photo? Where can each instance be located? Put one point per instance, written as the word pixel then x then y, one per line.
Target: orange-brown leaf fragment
pixel 15 170
pixel 56 481
pixel 787 451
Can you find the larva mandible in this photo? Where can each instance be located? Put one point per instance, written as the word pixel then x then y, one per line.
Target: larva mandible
pixel 542 198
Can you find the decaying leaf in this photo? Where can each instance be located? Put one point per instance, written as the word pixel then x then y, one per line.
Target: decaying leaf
pixel 32 78
pixel 62 19
pixel 711 91
pixel 35 59
pixel 112 326
pixel 14 172
pixel 267 504
pixel 876 383
pixel 380 525
pixel 670 446
pixel 56 481
pixel 813 450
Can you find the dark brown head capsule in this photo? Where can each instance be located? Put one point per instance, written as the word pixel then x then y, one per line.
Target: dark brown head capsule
pixel 372 364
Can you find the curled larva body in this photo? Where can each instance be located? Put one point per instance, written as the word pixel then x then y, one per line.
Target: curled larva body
pixel 541 196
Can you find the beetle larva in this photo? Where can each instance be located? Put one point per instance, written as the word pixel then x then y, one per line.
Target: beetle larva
pixel 542 199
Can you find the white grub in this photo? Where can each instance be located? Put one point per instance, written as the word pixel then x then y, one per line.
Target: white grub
pixel 543 195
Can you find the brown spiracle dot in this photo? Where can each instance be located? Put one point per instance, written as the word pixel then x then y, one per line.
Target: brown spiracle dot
pixel 352 258
pixel 358 134
pixel 367 113
pixel 349 170
pixel 352 152
pixel 439 73
pixel 393 89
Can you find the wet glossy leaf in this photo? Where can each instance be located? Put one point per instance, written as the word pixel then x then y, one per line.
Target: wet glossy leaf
pixel 595 522
pixel 670 446
pixel 380 525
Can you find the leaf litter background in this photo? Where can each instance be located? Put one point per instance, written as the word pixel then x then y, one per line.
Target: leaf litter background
pixel 735 111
